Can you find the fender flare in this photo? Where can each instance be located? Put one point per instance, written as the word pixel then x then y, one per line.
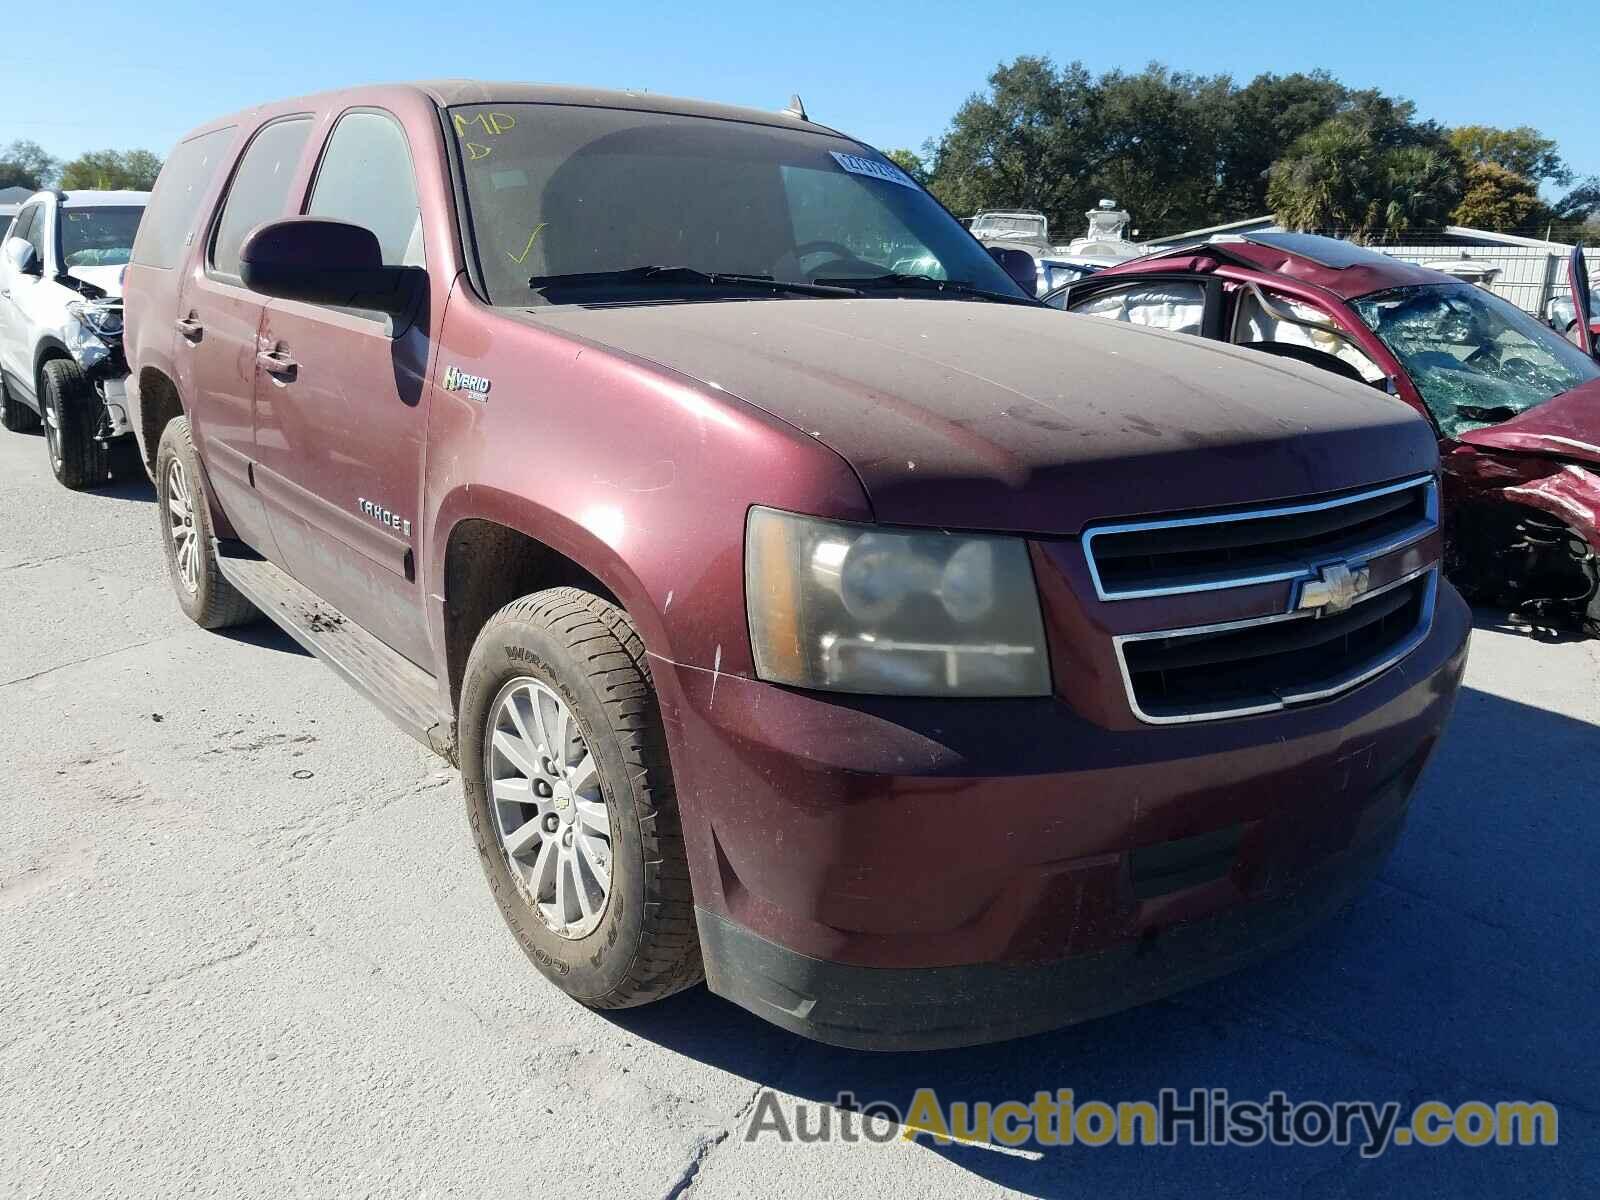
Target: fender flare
pixel 577 542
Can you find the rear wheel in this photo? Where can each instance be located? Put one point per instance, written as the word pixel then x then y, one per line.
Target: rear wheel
pixel 70 410
pixel 204 594
pixel 14 414
pixel 570 799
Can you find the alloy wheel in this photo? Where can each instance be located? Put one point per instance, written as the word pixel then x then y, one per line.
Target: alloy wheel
pixel 52 430
pixel 181 527
pixel 550 816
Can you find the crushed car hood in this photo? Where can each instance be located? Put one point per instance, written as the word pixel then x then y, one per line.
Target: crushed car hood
pixel 107 279
pixel 1009 417
pixel 1567 426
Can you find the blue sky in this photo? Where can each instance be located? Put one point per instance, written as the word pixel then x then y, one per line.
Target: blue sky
pixel 890 73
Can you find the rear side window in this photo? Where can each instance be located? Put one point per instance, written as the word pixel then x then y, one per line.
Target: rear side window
pixel 260 188
pixel 168 225
pixel 1177 306
pixel 366 179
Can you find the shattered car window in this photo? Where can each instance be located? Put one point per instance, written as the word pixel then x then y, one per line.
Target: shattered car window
pixel 98 237
pixel 1477 359
pixel 1254 325
pixel 1176 307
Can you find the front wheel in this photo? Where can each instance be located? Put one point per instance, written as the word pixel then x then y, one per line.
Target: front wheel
pixel 71 408
pixel 570 800
pixel 204 593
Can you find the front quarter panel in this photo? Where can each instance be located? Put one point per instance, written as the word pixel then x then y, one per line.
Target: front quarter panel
pixel 642 476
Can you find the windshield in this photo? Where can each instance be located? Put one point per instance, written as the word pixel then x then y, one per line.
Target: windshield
pixel 98 237
pixel 1477 359
pixel 558 190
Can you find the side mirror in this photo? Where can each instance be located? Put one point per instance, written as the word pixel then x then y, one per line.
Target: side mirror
pixel 1020 266
pixel 24 259
pixel 321 261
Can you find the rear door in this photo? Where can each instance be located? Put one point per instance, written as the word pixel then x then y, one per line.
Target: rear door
pixel 218 319
pixel 340 404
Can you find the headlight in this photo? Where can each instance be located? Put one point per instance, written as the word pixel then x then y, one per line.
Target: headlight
pixel 853 608
pixel 102 317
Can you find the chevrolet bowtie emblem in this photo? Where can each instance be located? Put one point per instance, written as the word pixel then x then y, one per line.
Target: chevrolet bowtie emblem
pixel 1334 588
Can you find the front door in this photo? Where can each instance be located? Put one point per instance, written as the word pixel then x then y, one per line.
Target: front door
pixel 218 320
pixel 22 297
pixel 340 414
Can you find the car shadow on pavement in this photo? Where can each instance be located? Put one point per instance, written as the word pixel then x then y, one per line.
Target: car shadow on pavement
pixel 1466 972
pixel 265 634
pixel 1501 621
pixel 138 490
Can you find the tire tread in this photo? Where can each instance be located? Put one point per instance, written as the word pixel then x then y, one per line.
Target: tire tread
pixel 605 639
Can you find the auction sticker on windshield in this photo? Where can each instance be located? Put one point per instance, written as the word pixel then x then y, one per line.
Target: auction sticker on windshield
pixel 857 165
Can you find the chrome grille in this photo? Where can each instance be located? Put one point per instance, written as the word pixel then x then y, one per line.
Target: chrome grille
pixel 1338 631
pixel 1261 665
pixel 1211 551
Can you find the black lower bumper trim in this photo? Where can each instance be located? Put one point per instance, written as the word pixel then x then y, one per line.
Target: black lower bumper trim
pixel 894 1008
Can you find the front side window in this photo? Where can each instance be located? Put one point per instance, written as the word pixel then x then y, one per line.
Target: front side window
pixel 366 179
pixel 260 188
pixel 23 227
pixel 1290 323
pixel 98 237
pixel 556 191
pixel 1176 306
pixel 1477 359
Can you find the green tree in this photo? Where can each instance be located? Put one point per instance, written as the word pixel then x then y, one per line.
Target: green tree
pixel 1268 115
pixel 1026 143
pixel 111 170
pixel 1497 198
pixel 1368 173
pixel 1162 136
pixel 25 164
pixel 911 163
pixel 1522 151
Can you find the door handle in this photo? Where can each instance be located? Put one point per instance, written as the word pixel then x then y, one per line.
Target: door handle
pixel 190 328
pixel 277 364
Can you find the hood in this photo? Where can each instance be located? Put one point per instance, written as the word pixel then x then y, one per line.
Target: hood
pixel 107 279
pixel 1023 419
pixel 1567 426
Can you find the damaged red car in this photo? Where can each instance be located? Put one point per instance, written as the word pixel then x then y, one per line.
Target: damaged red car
pixel 1515 405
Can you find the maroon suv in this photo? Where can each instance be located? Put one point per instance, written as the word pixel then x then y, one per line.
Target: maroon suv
pixel 804 605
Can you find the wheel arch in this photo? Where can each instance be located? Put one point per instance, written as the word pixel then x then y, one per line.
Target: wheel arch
pixel 47 351
pixel 492 547
pixel 159 403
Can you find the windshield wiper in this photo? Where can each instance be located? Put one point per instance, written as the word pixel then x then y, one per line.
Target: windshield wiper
pixel 657 276
pixel 896 282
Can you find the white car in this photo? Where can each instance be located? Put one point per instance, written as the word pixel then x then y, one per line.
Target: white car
pixel 61 358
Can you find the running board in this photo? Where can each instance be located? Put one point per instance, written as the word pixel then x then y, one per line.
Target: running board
pixel 400 689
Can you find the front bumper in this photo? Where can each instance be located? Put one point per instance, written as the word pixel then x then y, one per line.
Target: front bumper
pixel 115 421
pixel 909 873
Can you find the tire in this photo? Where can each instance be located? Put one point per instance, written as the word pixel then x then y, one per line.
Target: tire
pixel 14 414
pixel 70 409
pixel 641 943
pixel 205 596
